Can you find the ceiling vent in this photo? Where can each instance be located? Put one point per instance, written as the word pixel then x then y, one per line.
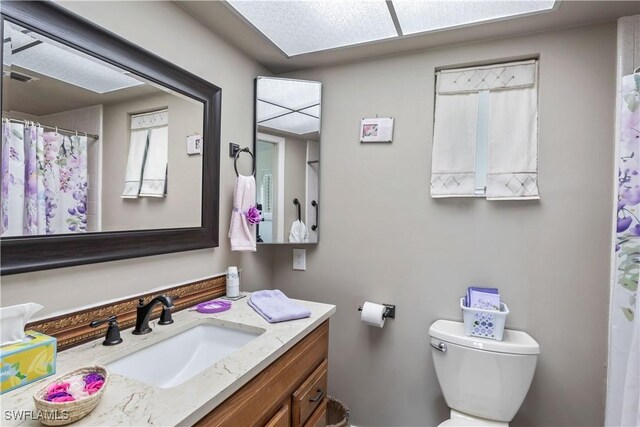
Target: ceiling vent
pixel 24 78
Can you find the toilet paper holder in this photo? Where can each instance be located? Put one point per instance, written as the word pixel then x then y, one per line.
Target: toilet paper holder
pixel 389 312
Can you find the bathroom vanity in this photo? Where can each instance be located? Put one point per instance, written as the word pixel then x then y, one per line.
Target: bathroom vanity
pixel 277 378
pixel 291 391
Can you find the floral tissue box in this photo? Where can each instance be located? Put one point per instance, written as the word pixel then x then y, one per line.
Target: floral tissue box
pixel 27 361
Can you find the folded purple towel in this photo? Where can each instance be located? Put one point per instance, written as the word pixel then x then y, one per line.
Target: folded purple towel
pixel 275 307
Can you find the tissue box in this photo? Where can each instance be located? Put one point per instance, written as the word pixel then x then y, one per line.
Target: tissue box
pixel 28 361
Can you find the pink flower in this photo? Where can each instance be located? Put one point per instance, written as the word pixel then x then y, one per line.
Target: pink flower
pixel 93 387
pixel 253 215
pixel 57 388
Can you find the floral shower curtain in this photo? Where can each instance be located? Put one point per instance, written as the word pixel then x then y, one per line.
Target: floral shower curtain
pixel 44 181
pixel 623 388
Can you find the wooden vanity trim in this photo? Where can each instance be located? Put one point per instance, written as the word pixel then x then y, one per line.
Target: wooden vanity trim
pixel 257 401
pixel 72 329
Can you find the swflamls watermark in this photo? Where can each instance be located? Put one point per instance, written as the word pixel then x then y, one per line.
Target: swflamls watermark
pixel 23 415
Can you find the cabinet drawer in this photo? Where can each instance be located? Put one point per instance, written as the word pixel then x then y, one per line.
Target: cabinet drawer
pixel 319 418
pixel 281 418
pixel 309 396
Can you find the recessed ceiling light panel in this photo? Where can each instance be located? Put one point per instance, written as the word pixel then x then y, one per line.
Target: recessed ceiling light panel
pixel 34 52
pixel 417 16
pixel 298 27
pixel 288 105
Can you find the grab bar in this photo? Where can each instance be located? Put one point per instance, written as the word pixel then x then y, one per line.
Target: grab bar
pixel 315 205
pixel 297 203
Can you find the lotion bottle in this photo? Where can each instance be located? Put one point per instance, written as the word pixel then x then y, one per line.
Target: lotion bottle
pixel 233 282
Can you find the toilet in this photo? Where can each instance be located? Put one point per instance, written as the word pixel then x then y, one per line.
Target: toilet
pixel 484 382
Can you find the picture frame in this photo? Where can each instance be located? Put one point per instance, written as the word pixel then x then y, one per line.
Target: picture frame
pixel 378 129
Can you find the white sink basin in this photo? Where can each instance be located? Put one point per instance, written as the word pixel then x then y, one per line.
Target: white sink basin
pixel 180 357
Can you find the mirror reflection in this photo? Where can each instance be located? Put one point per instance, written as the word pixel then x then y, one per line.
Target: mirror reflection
pixel 89 147
pixel 288 159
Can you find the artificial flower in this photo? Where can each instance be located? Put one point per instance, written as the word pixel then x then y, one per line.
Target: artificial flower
pixel 94 386
pixel 67 398
pixel 253 215
pixel 93 377
pixel 58 388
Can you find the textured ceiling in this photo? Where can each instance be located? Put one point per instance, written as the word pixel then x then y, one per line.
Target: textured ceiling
pixel 225 22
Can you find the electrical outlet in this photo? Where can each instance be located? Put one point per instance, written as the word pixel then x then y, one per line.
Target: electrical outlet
pixel 299 259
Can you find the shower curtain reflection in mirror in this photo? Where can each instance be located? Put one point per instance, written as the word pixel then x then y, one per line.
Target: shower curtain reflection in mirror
pixel 44 181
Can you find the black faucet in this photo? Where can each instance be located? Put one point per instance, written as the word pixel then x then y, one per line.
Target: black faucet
pixel 144 311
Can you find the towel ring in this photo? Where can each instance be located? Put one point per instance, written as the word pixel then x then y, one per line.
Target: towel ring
pixel 235 161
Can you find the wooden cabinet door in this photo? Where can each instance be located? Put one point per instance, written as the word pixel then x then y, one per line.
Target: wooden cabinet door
pixel 256 402
pixel 309 396
pixel 319 418
pixel 282 418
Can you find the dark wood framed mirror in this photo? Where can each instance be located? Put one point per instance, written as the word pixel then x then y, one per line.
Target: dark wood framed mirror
pixel 44 250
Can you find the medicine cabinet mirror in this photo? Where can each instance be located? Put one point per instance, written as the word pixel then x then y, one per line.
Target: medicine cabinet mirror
pixel 108 152
pixel 287 149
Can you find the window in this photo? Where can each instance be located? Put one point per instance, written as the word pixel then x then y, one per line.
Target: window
pixel 146 174
pixel 485 139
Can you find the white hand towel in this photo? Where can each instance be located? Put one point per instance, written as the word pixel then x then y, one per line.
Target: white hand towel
pixel 298 232
pixel 242 233
pixel 137 150
pixel 513 145
pixel 454 141
pixel 155 167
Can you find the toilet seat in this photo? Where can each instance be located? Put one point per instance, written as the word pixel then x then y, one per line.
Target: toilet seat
pixel 459 422
pixel 462 422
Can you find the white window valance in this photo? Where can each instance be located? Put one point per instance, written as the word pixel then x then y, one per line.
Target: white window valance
pixel 485 132
pixel 491 77
pixel 150 120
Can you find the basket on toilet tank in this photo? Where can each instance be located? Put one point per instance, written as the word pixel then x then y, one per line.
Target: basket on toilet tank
pixel 484 323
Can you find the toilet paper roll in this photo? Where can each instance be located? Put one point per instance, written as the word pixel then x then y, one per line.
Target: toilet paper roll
pixel 372 314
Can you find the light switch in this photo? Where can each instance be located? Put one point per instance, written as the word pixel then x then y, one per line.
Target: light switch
pixel 299 259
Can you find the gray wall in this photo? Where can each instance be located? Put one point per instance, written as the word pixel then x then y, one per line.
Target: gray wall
pixel 385 240
pixel 184 177
pixel 65 289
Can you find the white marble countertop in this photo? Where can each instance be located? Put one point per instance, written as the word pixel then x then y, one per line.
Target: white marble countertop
pixel 130 402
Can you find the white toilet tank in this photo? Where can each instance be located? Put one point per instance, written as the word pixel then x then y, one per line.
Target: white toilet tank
pixel 482 377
